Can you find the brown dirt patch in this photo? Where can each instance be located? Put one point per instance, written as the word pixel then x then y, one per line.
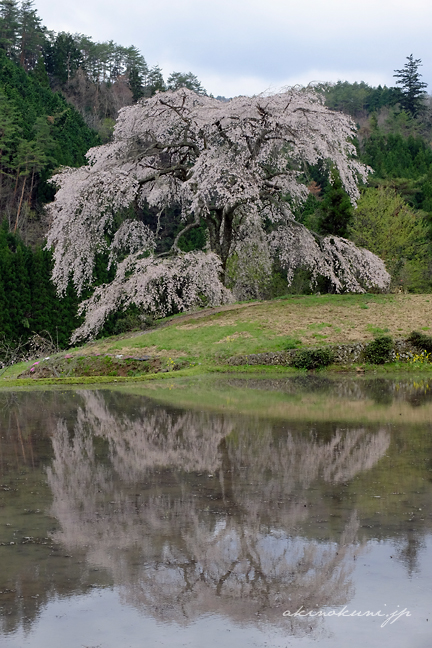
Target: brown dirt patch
pixel 342 322
pixel 234 336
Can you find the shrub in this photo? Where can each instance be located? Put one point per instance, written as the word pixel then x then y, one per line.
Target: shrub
pixel 313 358
pixel 130 322
pixel 421 341
pixel 379 351
pixel 292 343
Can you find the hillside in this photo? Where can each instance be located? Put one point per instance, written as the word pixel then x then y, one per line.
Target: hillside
pixel 39 131
pixel 207 339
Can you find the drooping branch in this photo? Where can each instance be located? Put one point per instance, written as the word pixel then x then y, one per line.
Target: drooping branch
pixel 346 267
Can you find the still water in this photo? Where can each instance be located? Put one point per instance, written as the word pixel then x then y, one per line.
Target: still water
pixel 285 512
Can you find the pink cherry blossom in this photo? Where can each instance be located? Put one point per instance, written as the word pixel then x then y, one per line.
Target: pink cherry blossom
pixel 231 165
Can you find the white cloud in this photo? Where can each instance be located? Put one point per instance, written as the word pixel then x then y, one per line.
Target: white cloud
pixel 245 46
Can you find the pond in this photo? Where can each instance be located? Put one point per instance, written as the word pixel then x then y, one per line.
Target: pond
pixel 236 511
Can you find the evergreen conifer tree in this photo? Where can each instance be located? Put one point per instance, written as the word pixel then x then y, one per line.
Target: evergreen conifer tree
pixel 5 325
pixel 3 307
pixel 9 26
pixel 154 82
pixel 412 89
pixel 336 208
pixel 42 308
pixel 188 80
pixel 31 35
pixel 135 83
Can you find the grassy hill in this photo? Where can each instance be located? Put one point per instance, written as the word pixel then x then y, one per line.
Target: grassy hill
pixel 207 339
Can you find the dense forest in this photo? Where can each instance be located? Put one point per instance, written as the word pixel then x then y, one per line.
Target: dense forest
pixel 393 217
pixel 60 94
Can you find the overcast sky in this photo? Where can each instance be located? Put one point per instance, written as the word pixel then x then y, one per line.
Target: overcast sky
pixel 250 46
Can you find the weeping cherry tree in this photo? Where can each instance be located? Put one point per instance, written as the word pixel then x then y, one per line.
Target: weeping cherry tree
pixel 236 166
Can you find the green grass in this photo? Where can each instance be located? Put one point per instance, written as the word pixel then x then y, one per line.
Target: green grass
pixel 99 380
pixel 15 370
pixel 210 341
pixel 377 330
pixel 314 300
pixel 208 338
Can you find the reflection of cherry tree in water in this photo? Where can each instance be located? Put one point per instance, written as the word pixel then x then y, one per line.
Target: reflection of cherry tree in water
pixel 181 543
pixel 408 549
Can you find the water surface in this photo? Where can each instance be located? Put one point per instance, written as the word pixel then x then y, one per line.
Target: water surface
pixel 179 519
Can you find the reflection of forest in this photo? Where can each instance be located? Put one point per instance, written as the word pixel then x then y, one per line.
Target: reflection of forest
pixel 186 512
pixel 193 512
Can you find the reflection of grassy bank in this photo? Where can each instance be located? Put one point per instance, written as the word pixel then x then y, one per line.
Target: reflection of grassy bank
pixel 18 375
pixel 354 400
pixel 275 394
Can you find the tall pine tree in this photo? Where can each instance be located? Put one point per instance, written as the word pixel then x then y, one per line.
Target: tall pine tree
pixel 412 89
